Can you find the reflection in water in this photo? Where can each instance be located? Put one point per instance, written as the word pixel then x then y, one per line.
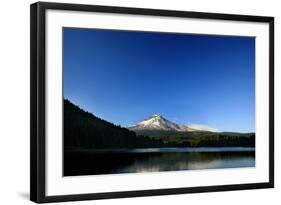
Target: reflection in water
pixel 189 161
pixel 89 163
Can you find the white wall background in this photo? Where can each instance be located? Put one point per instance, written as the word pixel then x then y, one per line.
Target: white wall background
pixel 14 100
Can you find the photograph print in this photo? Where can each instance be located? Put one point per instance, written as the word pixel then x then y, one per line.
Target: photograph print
pixel 141 101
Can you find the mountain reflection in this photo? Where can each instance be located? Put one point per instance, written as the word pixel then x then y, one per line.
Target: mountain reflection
pixel 189 161
pixel 89 163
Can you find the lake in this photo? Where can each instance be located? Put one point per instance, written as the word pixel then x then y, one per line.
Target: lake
pixel 116 161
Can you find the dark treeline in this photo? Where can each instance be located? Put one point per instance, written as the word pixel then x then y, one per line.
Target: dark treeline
pixel 84 130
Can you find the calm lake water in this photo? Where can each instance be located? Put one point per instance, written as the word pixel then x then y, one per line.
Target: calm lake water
pixel 92 162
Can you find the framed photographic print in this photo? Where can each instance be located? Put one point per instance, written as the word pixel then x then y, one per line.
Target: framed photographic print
pixel 129 102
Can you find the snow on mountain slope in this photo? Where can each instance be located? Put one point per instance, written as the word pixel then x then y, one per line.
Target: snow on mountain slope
pixel 157 122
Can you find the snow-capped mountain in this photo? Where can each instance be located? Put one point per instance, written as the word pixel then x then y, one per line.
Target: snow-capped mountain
pixel 157 122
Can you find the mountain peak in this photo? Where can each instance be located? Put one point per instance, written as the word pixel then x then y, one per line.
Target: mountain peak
pixel 156 115
pixel 158 122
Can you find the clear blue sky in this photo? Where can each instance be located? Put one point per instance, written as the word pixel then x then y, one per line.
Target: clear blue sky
pixel 125 76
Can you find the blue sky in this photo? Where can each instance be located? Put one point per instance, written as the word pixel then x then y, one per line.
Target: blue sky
pixel 125 76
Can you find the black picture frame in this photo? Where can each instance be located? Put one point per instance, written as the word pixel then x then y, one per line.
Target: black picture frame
pixel 37 101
